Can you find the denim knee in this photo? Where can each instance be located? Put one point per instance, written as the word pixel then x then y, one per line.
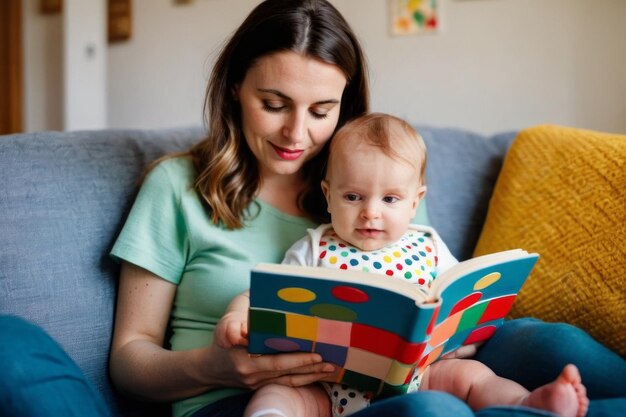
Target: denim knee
pixel 426 403
pixel 39 378
pixel 533 352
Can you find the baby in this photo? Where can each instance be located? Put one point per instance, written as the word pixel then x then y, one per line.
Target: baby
pixel 373 185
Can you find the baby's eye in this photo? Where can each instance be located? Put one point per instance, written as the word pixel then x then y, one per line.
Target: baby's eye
pixel 351 197
pixel 390 199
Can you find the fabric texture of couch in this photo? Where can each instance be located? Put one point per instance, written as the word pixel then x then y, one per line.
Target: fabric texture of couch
pixel 64 197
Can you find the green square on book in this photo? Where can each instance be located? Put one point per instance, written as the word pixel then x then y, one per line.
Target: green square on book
pixel 392 390
pixel 471 316
pixel 271 322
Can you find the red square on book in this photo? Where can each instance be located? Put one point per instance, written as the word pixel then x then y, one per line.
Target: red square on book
pixel 497 308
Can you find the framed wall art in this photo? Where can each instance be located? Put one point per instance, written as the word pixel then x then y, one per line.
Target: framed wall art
pixel 411 17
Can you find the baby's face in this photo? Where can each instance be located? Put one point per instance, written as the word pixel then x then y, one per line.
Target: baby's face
pixel 371 197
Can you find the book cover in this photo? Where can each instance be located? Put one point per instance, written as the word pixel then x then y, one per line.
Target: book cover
pixel 381 330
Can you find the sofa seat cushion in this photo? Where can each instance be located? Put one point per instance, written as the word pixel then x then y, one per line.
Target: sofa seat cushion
pixel 562 193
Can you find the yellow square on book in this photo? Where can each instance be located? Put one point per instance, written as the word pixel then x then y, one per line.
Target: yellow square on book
pixel 562 193
pixel 301 327
pixel 398 373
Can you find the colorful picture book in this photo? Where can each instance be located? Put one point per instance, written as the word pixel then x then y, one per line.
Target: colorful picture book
pixel 381 331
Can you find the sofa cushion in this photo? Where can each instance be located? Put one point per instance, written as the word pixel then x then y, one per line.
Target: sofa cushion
pixel 562 193
pixel 461 172
pixel 63 198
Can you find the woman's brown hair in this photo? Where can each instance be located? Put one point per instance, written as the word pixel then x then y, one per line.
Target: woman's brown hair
pixel 228 176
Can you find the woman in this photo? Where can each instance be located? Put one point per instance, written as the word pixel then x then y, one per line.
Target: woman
pixel 290 75
pixel 288 78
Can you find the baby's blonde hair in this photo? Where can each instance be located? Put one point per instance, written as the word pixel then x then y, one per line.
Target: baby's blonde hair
pixel 385 131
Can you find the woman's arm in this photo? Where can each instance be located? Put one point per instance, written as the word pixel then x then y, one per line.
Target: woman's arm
pixel 141 367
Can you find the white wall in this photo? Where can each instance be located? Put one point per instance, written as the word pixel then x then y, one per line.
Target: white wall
pixel 158 77
pixel 503 64
pixel 84 65
pixel 65 66
pixel 496 64
pixel 43 69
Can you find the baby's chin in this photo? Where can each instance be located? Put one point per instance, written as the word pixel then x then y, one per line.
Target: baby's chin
pixel 374 246
pixel 370 245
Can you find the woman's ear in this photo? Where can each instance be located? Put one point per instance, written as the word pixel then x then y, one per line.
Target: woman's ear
pixel 326 191
pixel 235 92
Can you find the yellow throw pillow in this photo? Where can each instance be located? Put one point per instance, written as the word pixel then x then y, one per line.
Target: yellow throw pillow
pixel 562 193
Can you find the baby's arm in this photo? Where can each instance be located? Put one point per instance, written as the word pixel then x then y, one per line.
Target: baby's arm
pixel 232 329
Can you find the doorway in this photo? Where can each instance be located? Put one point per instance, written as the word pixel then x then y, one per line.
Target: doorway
pixel 10 66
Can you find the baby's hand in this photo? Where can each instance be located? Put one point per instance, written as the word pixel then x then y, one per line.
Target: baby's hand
pixel 232 330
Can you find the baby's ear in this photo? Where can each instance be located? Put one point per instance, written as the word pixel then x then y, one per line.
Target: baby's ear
pixel 421 191
pixel 326 191
pixel 419 195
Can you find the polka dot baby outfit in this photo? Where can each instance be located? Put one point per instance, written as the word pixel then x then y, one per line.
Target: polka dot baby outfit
pixel 413 259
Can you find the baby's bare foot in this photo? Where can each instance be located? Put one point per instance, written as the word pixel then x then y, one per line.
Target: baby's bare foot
pixel 565 396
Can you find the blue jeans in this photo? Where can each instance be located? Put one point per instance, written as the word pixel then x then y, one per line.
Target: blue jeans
pixel 533 353
pixel 38 378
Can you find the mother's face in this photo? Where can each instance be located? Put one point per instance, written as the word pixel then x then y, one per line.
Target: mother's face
pixel 290 106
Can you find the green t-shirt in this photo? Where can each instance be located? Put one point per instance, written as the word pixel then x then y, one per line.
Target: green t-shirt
pixel 169 233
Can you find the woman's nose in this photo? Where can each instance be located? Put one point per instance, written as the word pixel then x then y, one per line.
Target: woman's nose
pixel 295 127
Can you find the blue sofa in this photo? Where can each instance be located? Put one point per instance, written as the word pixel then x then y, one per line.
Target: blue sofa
pixel 64 197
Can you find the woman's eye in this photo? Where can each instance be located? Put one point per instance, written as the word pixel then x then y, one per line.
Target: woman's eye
pixel 390 199
pixel 319 115
pixel 272 107
pixel 351 197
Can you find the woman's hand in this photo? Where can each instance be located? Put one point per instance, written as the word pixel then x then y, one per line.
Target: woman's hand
pixel 236 368
pixel 141 367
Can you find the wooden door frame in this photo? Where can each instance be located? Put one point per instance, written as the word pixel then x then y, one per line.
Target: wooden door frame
pixel 11 88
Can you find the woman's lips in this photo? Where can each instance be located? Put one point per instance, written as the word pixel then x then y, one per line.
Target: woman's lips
pixel 287 154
